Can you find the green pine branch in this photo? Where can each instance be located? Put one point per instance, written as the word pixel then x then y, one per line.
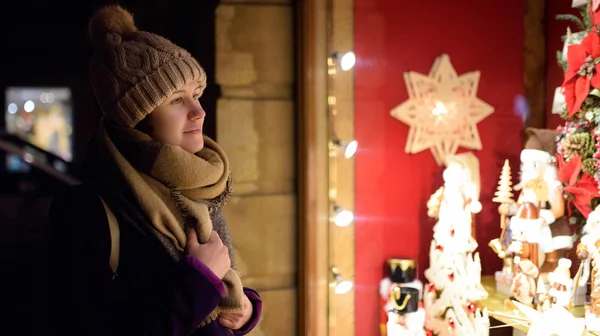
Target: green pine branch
pixel 559 59
pixel 582 23
pixel 585 15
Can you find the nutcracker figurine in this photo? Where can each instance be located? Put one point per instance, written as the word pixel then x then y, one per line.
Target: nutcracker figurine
pixel 538 227
pixel 540 185
pixel 401 294
pixel 406 318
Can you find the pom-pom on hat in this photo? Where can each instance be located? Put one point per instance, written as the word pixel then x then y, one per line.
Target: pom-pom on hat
pixel 562 273
pixel 133 71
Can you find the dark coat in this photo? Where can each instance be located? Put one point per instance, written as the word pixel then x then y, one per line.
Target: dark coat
pixel 151 293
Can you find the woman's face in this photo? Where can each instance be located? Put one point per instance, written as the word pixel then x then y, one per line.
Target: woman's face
pixel 178 119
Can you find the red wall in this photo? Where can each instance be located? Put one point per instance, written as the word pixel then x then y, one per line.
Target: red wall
pixel 392 187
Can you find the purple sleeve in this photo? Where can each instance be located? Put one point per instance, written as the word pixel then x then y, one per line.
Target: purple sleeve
pixel 196 294
pixel 207 273
pixel 218 284
pixel 256 312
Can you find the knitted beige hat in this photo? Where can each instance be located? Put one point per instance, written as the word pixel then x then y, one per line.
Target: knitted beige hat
pixel 133 71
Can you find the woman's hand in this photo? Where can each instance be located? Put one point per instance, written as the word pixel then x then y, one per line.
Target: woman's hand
pixel 214 254
pixel 236 320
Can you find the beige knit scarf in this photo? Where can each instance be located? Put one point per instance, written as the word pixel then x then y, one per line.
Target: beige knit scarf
pixel 175 189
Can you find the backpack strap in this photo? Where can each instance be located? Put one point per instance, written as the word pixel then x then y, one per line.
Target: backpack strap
pixel 113 225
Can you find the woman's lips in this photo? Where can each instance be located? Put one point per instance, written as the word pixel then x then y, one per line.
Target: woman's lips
pixel 195 131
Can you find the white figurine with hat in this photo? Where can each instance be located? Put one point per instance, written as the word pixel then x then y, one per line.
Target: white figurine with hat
pixel 561 284
pixel 540 188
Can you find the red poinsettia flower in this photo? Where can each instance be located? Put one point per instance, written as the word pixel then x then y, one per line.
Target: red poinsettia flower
pixel 579 190
pixel 582 66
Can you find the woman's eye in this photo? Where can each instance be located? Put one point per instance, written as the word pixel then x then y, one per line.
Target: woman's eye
pixel 177 101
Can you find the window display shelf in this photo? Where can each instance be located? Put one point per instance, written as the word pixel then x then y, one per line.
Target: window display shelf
pixel 500 302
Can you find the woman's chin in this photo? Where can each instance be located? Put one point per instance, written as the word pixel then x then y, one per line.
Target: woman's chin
pixel 193 147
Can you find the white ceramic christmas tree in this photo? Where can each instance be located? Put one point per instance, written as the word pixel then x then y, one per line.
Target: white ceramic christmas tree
pixel 454 289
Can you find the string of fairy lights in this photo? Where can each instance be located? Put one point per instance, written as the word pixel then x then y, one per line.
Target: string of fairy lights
pixel 338 149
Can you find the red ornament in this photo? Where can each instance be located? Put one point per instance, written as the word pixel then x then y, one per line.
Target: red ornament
pixel 452 233
pixel 451 276
pixel 451 323
pixel 471 307
pixel 439 248
pixel 429 332
pixel 431 288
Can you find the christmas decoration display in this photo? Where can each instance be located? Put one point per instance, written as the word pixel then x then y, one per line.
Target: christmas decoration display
pixel 504 193
pixel 587 252
pixel 592 315
pixel 504 196
pixel 401 295
pixel 554 321
pixel 587 246
pixel 561 284
pixel 538 231
pixel 578 148
pixel 453 294
pixel 442 110
pixel 524 286
pixel 543 301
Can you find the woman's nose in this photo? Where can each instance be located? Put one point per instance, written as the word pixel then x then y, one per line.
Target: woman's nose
pixel 197 112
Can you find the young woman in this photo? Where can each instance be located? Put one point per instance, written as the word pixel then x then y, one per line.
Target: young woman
pixel 151 171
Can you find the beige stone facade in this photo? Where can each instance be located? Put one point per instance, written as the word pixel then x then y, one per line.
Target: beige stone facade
pixel 256 127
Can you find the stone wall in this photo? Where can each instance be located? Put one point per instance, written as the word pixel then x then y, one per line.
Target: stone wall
pixel 256 127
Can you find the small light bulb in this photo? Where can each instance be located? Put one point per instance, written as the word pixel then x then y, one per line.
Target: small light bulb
pixel 343 287
pixel 343 218
pixel 348 61
pixel 29 106
pixel 350 149
pixel 12 108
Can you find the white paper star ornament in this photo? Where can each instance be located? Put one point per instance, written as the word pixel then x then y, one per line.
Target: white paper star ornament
pixel 554 321
pixel 442 110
